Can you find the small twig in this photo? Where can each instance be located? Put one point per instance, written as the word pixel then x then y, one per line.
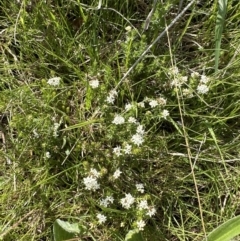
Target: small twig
pixel 154 42
pixel 148 19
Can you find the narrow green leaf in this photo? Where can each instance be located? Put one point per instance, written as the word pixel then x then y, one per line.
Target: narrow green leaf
pixel 222 10
pixel 226 231
pixel 79 125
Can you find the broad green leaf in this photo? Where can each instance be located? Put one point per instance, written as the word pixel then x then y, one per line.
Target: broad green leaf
pixel 226 231
pixel 222 10
pixel 134 235
pixel 64 230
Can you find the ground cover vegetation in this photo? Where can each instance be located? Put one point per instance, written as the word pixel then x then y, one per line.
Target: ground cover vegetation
pixel 158 153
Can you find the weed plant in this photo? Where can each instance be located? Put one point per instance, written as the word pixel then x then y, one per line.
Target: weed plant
pixel 159 153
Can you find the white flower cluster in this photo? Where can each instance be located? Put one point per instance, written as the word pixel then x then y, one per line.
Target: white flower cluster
pixel 90 181
pixel 137 138
pixel 118 120
pixel 94 83
pixel 111 96
pixel 173 71
pixel 140 187
pixel 187 93
pixel 150 210
pixel 127 201
pixel 132 120
pixel 179 81
pixel 106 201
pixel 202 89
pixel 54 81
pixel 140 225
pixel 126 150
pixel 55 129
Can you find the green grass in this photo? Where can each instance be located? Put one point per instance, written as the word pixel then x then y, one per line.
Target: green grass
pixel 51 136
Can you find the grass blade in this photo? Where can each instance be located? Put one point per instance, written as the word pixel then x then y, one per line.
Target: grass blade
pixel 222 10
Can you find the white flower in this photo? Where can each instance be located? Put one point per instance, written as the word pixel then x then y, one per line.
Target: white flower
pixel 67 152
pixel 118 120
pixel 117 150
pixel 141 104
pixel 140 130
pixel 127 149
pixel 128 28
pixel 101 218
pixel 202 89
pixel 128 107
pixel 54 81
pixel 127 201
pixel 111 97
pixel 165 114
pixel 153 103
pixel 151 211
pixel 204 79
pixel 187 92
pixel 113 92
pixel 178 82
pixel 117 174
pixel 143 205
pixel 162 101
pixel 140 187
pixel 132 120
pixel 47 155
pixel 173 71
pixel 137 139
pixel 141 224
pixel 110 199
pixel 94 173
pixel 91 183
pixel 195 74
pixel 55 129
pixel 183 79
pixel 94 83
pixel 105 202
